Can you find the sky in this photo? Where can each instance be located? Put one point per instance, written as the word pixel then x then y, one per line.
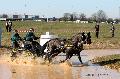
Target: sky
pixel 56 8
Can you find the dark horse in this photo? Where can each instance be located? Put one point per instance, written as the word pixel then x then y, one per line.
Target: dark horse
pixel 76 45
pixel 54 47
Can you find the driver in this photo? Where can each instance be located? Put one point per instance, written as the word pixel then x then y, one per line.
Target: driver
pixel 30 36
pixel 15 38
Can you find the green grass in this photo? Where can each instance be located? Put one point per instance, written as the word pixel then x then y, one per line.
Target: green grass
pixel 111 61
pixel 66 30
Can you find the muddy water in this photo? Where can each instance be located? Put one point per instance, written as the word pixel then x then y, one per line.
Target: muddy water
pixel 40 72
pixel 28 68
pixel 35 72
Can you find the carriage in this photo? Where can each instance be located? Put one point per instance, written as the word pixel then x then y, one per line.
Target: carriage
pixel 45 38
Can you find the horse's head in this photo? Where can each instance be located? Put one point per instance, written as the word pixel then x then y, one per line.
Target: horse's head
pixel 77 39
pixel 83 38
pixel 86 38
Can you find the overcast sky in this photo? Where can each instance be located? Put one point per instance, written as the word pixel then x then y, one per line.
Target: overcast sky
pixel 50 8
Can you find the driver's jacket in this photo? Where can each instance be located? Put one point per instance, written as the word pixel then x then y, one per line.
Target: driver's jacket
pixel 30 36
pixel 15 37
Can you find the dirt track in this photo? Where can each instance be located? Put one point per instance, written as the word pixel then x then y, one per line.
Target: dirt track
pixel 33 69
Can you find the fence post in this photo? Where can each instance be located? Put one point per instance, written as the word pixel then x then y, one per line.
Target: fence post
pixel 0 35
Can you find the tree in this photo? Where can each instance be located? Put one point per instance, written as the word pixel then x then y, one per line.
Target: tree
pixel 94 17
pixel 109 20
pixel 117 20
pixel 66 16
pixel 75 16
pixel 83 17
pixel 101 16
pixel 90 20
pixel 71 17
pixel 4 16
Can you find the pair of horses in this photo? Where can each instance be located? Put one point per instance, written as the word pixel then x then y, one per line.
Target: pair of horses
pixel 70 47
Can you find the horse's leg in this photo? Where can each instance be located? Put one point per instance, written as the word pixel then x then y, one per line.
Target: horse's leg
pixel 46 56
pixel 79 57
pixel 37 48
pixel 68 56
pixel 49 55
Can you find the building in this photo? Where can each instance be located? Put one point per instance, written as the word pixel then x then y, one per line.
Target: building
pixel 36 17
pixel 4 16
pixel 26 16
pixel 15 16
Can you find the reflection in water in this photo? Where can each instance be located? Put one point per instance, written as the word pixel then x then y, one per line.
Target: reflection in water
pixel 28 68
pixel 5 72
pixel 41 72
pixel 29 72
pixel 67 71
pixel 59 71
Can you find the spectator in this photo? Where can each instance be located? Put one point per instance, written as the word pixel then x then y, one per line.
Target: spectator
pixel 112 29
pixel 7 26
pixel 97 30
pixel 10 25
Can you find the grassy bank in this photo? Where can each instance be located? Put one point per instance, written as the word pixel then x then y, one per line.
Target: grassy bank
pixel 66 30
pixel 111 61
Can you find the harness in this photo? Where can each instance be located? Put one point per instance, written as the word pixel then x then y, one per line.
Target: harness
pixel 69 46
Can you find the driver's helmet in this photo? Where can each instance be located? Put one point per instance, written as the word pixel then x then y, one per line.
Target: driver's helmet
pixel 31 30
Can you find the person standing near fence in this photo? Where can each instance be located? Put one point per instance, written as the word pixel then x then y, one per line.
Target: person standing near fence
pixel 97 30
pixel 10 26
pixel 7 26
pixel 112 29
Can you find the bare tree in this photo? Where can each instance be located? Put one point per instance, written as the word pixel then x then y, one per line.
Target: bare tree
pixel 83 17
pixel 94 17
pixel 75 15
pixel 99 16
pixel 66 16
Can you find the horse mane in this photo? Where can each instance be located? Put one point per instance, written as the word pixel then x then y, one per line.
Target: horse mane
pixel 76 35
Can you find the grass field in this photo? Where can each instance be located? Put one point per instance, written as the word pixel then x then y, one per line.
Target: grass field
pixel 111 61
pixel 66 30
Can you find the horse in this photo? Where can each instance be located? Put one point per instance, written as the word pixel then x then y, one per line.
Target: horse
pixel 76 45
pixel 54 47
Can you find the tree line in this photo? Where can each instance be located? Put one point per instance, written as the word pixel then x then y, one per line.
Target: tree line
pixel 99 16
